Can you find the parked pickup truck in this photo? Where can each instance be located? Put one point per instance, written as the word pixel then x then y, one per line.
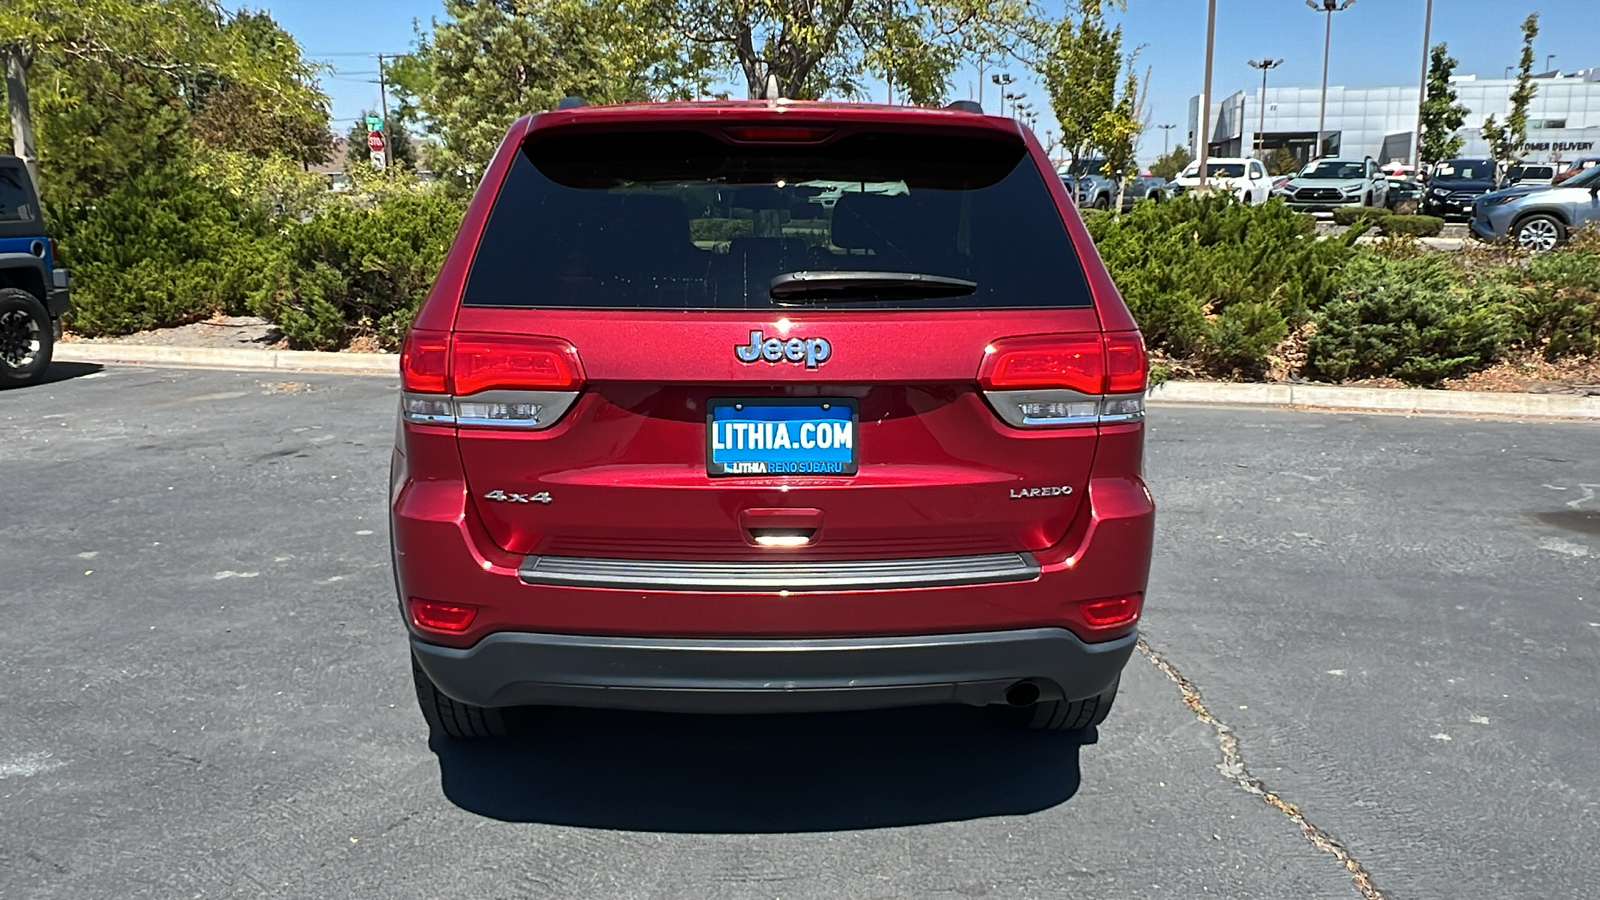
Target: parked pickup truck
pixel 1100 192
pixel 33 292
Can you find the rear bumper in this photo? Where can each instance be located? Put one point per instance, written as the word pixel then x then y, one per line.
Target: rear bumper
pixel 60 293
pixel 771 675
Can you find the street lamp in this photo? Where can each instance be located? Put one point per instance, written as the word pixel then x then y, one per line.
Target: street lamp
pixel 1003 79
pixel 1166 138
pixel 1422 90
pixel 1330 7
pixel 1547 60
pixel 1264 65
pixel 1203 134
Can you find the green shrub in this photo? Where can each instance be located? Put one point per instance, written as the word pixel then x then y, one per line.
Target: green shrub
pixel 1416 226
pixel 1349 215
pixel 1416 319
pixel 159 250
pixel 350 271
pixel 719 230
pixel 1558 306
pixel 1216 281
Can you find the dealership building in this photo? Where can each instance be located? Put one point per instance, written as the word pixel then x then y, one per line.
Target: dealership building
pixel 1563 119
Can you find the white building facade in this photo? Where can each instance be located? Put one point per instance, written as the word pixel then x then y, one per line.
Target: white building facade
pixel 1563 119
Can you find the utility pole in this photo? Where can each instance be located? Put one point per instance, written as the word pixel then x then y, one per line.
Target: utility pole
pixel 1265 65
pixel 383 110
pixel 1203 132
pixel 1166 138
pixel 1422 89
pixel 1330 7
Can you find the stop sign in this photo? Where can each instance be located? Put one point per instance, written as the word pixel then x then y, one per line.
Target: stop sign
pixel 375 141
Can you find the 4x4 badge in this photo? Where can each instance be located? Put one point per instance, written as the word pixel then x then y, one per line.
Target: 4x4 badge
pixel 811 351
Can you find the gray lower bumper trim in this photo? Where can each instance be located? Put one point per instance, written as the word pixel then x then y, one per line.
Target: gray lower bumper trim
pixel 764 675
pixel 760 576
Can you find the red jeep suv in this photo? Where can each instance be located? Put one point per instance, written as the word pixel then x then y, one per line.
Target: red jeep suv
pixel 770 406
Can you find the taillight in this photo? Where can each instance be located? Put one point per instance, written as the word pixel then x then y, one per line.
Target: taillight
pixel 452 617
pixel 488 380
pixel 1076 362
pixel 1049 381
pixel 425 362
pixel 484 362
pixel 778 134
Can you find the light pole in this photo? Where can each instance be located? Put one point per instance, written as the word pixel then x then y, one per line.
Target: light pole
pixel 1264 65
pixel 1003 79
pixel 1203 132
pixel 1166 138
pixel 1547 60
pixel 1330 7
pixel 1422 90
pixel 1017 104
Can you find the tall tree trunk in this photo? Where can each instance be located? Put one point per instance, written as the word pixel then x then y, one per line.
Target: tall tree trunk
pixel 17 59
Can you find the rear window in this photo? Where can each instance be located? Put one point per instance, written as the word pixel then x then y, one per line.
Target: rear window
pixel 15 198
pixel 682 220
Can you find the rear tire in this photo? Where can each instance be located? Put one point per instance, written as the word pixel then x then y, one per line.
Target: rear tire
pixel 27 340
pixel 1102 202
pixel 452 717
pixel 1071 715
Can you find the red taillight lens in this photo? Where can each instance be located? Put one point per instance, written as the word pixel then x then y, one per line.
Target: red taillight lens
pixel 1112 611
pixel 1076 362
pixel 481 362
pixel 777 134
pixel 425 362
pixel 1127 365
pixel 442 616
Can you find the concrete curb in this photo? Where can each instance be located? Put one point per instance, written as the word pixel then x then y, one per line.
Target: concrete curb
pixel 1325 396
pixel 1302 396
pixel 229 358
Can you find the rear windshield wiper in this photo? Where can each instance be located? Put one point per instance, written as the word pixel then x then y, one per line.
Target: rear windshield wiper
pixel 865 286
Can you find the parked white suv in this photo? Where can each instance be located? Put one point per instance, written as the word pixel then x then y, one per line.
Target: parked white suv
pixel 1243 177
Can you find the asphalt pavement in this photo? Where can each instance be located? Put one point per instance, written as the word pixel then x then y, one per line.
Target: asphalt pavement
pixel 1386 629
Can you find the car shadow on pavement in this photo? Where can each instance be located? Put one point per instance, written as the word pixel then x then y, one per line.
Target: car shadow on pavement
pixel 761 774
pixel 65 371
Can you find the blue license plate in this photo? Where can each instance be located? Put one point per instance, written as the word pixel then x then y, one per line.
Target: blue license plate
pixel 781 437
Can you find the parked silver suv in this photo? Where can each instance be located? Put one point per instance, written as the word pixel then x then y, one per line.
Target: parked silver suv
pixel 1538 217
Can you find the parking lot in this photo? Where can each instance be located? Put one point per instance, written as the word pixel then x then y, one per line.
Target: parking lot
pixel 1373 670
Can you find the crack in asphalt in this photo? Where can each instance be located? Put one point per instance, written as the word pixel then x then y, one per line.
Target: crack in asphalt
pixel 1234 768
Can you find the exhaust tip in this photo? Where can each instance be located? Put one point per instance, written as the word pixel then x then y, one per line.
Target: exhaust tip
pixel 1023 693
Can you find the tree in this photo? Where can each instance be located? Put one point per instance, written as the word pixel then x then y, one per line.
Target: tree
pixel 1506 142
pixel 1167 167
pixel 114 63
pixel 490 61
pixel 276 109
pixel 816 48
pixel 1282 162
pixel 402 149
pixel 1441 115
pixel 1080 69
pixel 1117 132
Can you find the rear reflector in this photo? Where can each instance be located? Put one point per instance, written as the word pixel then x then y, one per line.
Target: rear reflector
pixel 1112 611
pixel 482 362
pixel 442 616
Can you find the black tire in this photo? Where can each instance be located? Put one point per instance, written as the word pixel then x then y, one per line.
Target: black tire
pixel 1102 202
pixel 1539 232
pixel 452 717
pixel 1071 715
pixel 26 339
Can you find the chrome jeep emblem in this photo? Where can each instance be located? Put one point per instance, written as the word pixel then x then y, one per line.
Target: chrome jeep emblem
pixel 811 351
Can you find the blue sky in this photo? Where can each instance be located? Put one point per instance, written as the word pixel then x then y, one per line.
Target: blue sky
pixel 1375 43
